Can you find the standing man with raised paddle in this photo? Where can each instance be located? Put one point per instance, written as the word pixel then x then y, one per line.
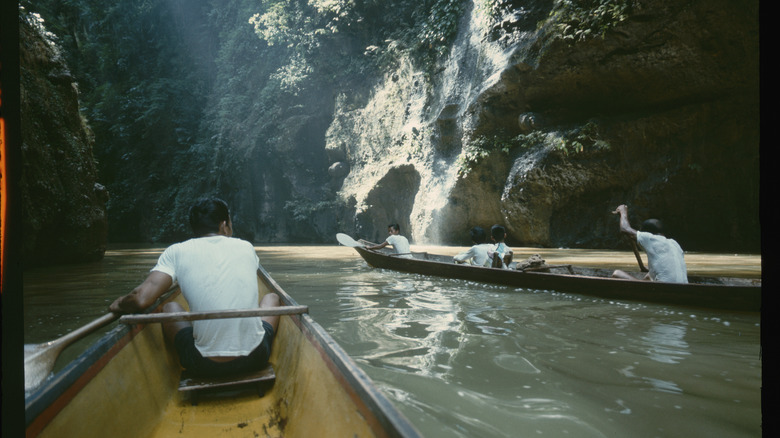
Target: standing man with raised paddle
pixel 216 272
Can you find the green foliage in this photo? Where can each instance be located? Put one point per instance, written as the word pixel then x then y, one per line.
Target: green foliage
pixel 578 20
pixel 437 32
pixel 303 210
pixel 291 78
pixel 533 139
pixel 582 140
pixel 589 138
pixel 142 93
pixel 389 28
pixel 169 86
pixel 480 148
pixel 495 9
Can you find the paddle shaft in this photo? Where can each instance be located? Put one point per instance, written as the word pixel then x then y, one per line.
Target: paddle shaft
pixel 638 257
pixel 86 329
pixel 39 359
pixel 221 314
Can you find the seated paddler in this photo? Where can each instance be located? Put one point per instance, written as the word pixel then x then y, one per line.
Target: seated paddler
pixel 399 243
pixel 478 254
pixel 216 272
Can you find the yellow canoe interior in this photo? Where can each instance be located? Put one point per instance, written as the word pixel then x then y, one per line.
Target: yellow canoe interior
pixel 135 395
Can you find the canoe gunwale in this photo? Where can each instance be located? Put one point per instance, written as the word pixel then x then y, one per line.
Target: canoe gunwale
pixel 46 402
pixel 345 369
pixel 43 403
pixel 712 296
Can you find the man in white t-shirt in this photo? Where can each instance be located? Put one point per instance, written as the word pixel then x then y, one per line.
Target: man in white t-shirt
pixel 477 255
pixel 665 257
pixel 400 243
pixel 215 272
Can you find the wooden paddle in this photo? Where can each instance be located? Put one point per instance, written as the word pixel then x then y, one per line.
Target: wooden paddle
pixel 347 240
pixel 638 257
pixel 631 240
pixel 217 314
pixel 39 359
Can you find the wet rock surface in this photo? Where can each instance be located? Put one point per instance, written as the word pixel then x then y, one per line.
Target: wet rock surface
pixel 664 109
pixel 63 205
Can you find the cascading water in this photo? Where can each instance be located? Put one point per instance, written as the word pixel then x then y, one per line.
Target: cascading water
pixel 409 121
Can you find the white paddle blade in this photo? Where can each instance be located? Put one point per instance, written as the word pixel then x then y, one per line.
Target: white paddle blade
pixel 347 241
pixel 38 363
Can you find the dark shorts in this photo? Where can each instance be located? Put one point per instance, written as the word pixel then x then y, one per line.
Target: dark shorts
pixel 191 359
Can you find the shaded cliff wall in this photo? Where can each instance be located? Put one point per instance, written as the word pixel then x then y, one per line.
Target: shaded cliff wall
pixel 62 204
pixel 673 92
pixel 312 118
pixel 547 135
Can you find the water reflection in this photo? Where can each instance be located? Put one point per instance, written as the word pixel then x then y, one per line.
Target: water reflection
pixel 666 343
pixel 504 359
pixel 415 320
pixel 462 359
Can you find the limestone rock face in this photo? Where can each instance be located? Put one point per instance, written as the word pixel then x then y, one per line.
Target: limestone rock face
pixel 62 202
pixel 662 114
pixel 674 91
pixel 512 123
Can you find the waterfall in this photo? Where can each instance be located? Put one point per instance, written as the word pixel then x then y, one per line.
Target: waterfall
pixel 473 65
pixel 410 122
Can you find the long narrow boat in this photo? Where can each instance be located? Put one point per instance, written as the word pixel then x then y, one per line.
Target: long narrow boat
pixel 125 385
pixel 739 294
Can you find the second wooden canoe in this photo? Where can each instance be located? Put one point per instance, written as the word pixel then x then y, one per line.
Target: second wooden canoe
pixel 725 293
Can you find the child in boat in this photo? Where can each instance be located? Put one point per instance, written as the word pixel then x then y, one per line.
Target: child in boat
pixel 500 255
pixel 400 243
pixel 478 254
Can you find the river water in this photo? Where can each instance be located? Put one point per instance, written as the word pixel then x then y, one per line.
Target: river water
pixel 463 359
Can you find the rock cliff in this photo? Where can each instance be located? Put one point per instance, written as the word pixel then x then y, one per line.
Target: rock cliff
pixel 62 204
pixel 312 118
pixel 547 134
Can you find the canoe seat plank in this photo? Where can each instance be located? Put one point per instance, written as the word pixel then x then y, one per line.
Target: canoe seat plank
pixel 194 386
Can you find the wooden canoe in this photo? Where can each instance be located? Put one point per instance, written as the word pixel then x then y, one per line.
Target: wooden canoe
pixel 125 385
pixel 724 293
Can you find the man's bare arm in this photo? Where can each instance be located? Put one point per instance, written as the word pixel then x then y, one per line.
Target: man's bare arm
pixel 629 233
pixel 143 296
pixel 625 226
pixel 380 246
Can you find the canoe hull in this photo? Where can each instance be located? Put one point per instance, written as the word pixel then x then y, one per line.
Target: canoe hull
pixel 739 297
pixel 125 386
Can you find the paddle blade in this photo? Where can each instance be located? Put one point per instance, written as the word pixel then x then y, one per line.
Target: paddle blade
pixel 39 360
pixel 347 241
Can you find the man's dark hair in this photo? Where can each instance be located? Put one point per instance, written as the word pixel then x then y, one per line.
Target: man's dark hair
pixel 654 226
pixel 395 227
pixel 478 235
pixel 207 214
pixel 498 232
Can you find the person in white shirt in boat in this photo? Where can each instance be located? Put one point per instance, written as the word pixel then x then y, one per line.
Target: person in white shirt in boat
pixel 500 255
pixel 215 272
pixel 400 243
pixel 665 257
pixel 478 254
